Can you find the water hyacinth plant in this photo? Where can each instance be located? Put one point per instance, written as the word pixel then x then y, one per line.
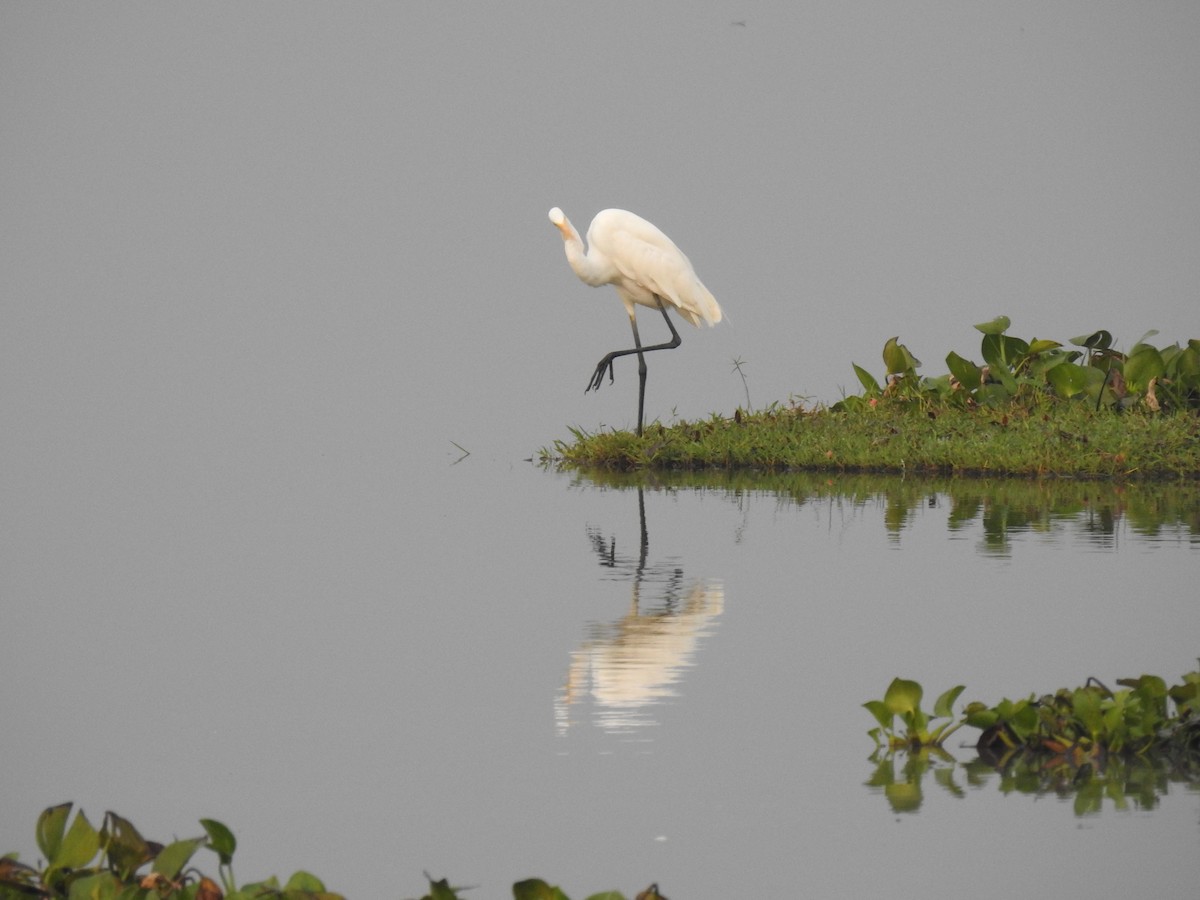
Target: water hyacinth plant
pixel 1085 725
pixel 1158 379
pixel 1090 744
pixel 115 861
pixel 1090 723
pixel 903 701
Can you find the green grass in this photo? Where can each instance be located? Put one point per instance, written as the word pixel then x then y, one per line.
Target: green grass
pixel 1034 408
pixel 1036 437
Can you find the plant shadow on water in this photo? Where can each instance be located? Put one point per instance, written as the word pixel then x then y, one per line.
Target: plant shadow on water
pixel 629 665
pixel 1091 512
pixel 903 779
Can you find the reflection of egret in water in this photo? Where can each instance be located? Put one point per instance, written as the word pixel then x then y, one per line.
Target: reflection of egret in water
pixel 629 665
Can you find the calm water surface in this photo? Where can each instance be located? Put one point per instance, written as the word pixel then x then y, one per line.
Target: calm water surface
pixel 495 671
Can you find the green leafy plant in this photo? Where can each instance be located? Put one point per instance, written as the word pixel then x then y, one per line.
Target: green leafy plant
pixel 1083 725
pixel 1013 368
pixel 1090 742
pixel 903 700
pixel 115 861
pixel 1087 724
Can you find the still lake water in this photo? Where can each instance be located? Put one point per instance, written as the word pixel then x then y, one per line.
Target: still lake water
pixel 605 682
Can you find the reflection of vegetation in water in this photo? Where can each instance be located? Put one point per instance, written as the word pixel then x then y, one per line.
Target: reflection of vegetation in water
pixel 1137 781
pixel 1092 510
pixel 905 790
pixel 1090 742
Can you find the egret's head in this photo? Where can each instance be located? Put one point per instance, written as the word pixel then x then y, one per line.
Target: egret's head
pixel 560 222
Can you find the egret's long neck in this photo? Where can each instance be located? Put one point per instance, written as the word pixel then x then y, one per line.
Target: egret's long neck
pixel 590 271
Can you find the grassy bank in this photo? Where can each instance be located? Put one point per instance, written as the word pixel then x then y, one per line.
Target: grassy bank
pixel 1033 408
pixel 1038 439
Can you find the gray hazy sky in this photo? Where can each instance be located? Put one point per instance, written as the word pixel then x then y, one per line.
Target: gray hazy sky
pixel 224 208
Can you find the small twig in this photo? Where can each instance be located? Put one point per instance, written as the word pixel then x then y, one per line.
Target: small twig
pixel 738 362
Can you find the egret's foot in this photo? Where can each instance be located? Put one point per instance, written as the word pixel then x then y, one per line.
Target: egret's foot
pixel 597 378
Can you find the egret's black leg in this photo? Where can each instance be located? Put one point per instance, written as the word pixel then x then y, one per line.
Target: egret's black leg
pixel 675 341
pixel 641 376
pixel 606 364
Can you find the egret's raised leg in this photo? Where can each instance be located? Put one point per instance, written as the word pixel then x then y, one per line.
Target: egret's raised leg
pixel 606 364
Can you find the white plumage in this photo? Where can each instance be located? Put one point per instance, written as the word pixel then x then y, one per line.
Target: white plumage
pixel 647 269
pixel 641 262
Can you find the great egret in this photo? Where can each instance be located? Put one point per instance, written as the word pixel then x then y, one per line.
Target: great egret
pixel 647 269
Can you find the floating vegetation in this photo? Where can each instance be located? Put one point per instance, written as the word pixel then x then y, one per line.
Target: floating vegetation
pixel 903 701
pixel 116 861
pixel 535 889
pixel 1091 742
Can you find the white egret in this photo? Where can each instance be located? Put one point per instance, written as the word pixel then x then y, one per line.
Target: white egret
pixel 647 269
